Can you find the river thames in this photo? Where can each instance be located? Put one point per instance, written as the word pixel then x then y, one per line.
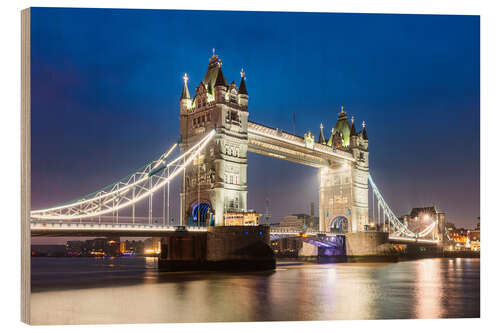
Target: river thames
pixel 131 290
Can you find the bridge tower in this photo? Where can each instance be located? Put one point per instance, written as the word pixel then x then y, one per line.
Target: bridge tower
pixel 343 187
pixel 216 182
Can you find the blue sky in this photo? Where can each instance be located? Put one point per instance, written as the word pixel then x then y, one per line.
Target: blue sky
pixel 106 87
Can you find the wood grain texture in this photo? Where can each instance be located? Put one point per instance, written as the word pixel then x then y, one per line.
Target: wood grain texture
pixel 25 166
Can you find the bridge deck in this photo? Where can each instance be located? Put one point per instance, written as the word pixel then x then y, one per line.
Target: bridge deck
pixel 96 229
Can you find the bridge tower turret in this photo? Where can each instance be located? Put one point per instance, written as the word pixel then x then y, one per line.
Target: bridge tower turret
pixel 343 192
pixel 215 183
pixel 360 173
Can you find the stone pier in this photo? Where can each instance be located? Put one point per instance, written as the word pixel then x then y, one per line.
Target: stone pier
pixel 368 244
pixel 220 248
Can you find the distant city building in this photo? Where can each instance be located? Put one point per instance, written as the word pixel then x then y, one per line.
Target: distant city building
pixel 292 221
pixel 241 218
pixel 48 250
pixel 286 247
pixel 312 221
pixel 450 226
pixel 152 246
pixel 301 221
pixel 99 247
pixel 474 240
pixel 102 247
pixel 74 248
pixel 123 248
pixel 134 246
pixel 458 236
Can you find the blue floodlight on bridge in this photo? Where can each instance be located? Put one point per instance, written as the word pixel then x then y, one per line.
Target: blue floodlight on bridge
pixel 205 212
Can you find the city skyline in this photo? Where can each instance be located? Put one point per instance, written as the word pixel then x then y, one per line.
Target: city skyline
pixel 417 90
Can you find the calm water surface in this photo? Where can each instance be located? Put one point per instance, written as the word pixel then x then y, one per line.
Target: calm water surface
pixel 130 290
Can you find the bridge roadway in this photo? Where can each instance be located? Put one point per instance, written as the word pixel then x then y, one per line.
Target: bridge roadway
pixel 64 228
pixel 90 229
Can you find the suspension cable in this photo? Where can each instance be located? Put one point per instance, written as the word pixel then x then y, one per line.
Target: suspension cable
pixel 97 206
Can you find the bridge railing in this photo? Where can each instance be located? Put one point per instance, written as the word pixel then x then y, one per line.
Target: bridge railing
pixel 65 225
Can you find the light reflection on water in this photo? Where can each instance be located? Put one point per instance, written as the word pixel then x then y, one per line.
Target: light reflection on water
pixel 428 290
pixel 130 290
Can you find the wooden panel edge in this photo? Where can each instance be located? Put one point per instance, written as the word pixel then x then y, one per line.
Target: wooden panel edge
pixel 25 165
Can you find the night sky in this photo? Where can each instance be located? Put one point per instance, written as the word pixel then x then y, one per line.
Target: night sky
pixel 106 87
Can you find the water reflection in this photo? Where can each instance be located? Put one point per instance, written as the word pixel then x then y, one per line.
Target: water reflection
pixel 132 291
pixel 428 289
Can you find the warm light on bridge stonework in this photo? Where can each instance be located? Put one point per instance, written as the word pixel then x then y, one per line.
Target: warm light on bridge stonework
pixel 343 172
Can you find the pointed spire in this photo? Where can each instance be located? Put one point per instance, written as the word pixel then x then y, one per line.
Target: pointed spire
pixel 185 90
pixel 214 57
pixel 353 128
pixel 243 87
pixel 221 80
pixel 330 140
pixel 342 112
pixel 321 139
pixel 365 136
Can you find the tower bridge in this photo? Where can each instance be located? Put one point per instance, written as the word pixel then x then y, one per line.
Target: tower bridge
pixel 215 137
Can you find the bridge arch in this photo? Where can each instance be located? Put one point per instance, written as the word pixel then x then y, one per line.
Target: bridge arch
pixel 204 211
pixel 339 224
